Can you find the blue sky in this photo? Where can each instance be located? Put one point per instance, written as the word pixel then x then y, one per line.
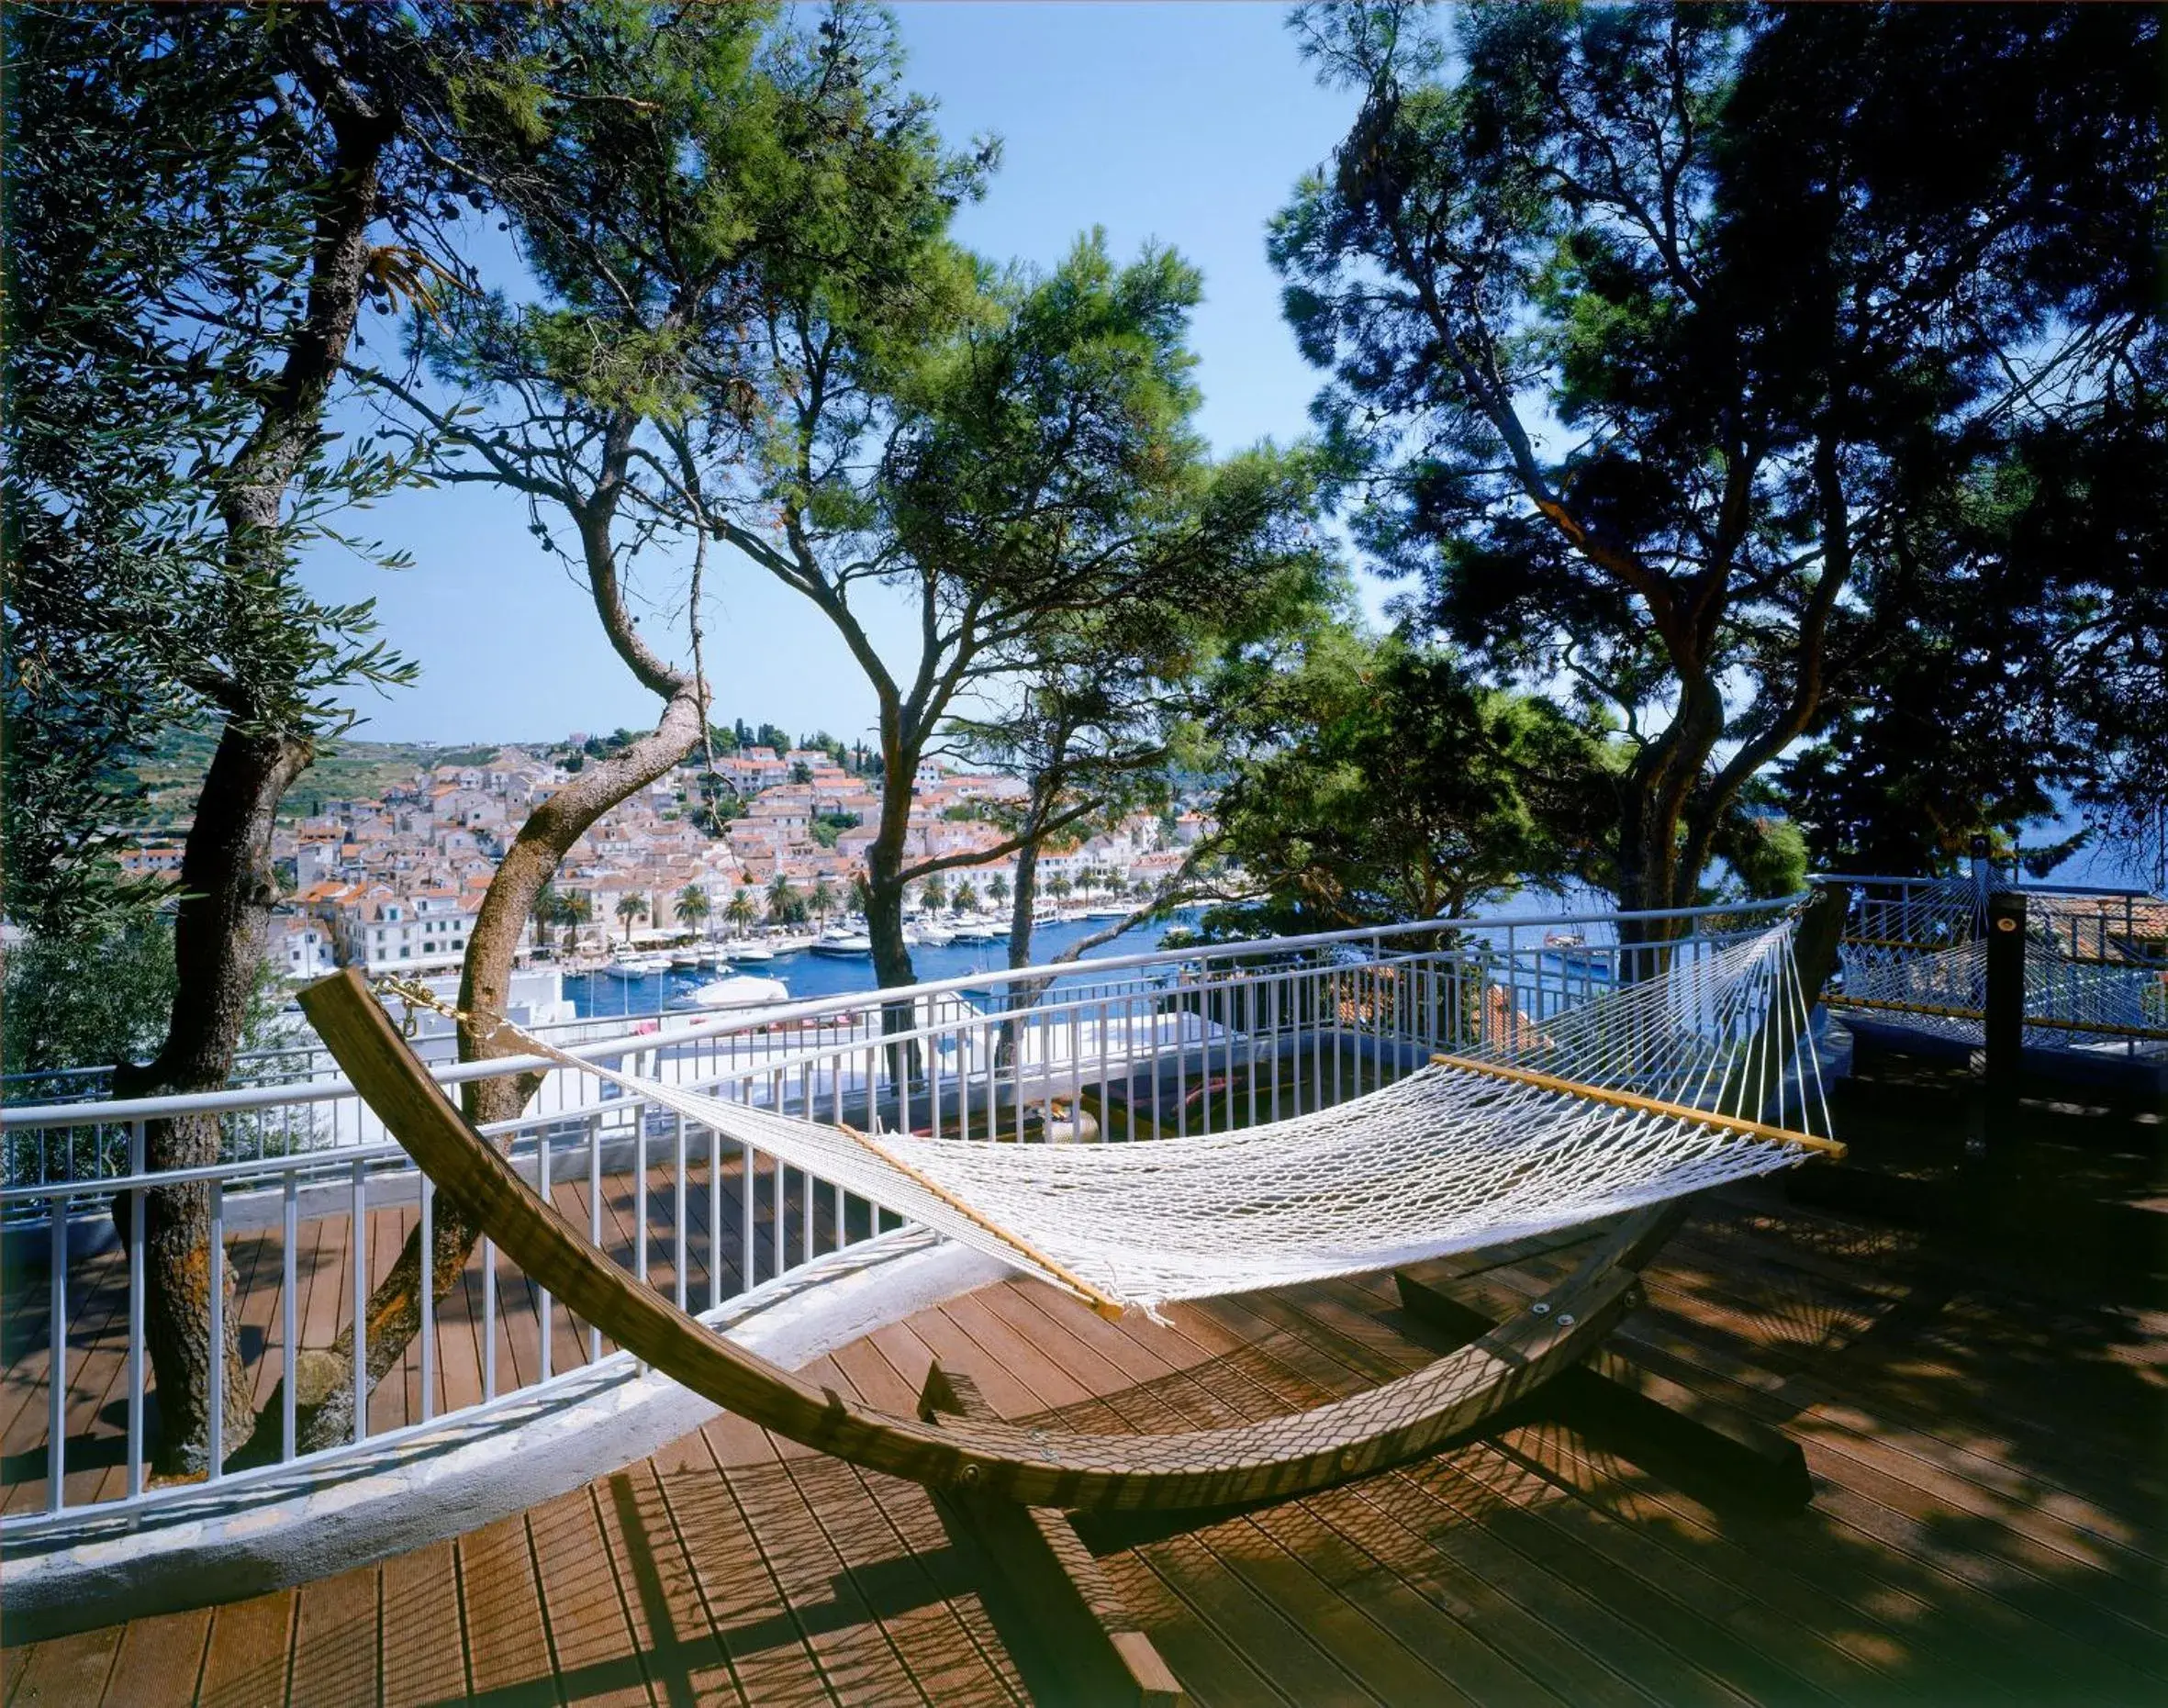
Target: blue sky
pixel 1184 124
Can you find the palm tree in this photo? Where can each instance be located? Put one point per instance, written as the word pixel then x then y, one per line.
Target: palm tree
pixel 861 893
pixel 544 913
pixel 933 893
pixel 630 906
pixel 997 891
pixel 966 899
pixel 574 910
pixel 779 900
pixel 1059 886
pixel 822 900
pixel 740 913
pixel 692 906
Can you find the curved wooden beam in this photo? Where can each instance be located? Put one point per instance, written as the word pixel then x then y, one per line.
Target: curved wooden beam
pixel 1274 1459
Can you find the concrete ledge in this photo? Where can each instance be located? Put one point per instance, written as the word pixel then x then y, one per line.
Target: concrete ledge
pixel 287 1526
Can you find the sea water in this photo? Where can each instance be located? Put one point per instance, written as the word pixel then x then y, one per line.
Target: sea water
pixel 809 975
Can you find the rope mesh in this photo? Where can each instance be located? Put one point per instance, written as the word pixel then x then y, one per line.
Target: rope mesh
pixel 1927 951
pixel 1442 1160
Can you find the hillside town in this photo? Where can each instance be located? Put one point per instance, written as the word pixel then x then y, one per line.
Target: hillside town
pixel 396 882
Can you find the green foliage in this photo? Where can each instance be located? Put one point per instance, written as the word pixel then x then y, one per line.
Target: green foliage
pixel 1379 783
pixel 164 171
pixel 827 826
pixel 1673 339
pixel 99 994
pixel 785 905
pixel 1141 563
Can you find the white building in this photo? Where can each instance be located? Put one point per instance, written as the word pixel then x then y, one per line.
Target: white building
pixel 302 946
pixel 406 931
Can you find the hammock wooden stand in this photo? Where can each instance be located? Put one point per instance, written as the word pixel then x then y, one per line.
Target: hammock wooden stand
pixel 1005 1491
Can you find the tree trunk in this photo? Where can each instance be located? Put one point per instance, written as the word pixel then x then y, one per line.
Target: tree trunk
pixel 324 1390
pixel 228 889
pixel 228 885
pixel 1026 900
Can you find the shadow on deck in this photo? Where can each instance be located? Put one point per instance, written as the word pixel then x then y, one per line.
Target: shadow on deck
pixel 1987 1522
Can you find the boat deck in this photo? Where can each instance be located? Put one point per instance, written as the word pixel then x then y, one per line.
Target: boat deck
pixel 1986 1521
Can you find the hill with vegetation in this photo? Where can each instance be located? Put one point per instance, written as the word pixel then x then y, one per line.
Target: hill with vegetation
pixel 173 773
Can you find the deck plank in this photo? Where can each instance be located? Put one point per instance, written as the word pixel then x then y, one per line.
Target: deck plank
pixel 683 1659
pixel 857 1654
pixel 1464 1571
pixel 422 1628
pixel 594 1651
pixel 160 1662
pixel 1387 1587
pixel 509 1655
pixel 66 1672
pixel 248 1655
pixel 895 1583
pixel 337 1653
pixel 772 1656
pixel 1386 1636
pixel 1309 1658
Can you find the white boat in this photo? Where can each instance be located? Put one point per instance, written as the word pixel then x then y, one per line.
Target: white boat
pixel 739 990
pixel 748 953
pixel 624 964
pixel 1572 950
pixel 1106 913
pixel 971 932
pixel 933 936
pixel 842 943
pixel 685 961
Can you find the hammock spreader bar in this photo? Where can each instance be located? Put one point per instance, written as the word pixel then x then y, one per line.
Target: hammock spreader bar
pixel 1649 1105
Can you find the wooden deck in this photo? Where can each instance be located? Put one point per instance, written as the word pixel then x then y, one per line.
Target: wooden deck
pixel 1987 1526
pixel 323 1305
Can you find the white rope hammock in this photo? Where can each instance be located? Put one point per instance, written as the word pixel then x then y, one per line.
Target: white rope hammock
pixel 1922 965
pixel 1449 1159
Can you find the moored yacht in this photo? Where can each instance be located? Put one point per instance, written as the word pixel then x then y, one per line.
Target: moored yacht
pixel 842 941
pixel 735 990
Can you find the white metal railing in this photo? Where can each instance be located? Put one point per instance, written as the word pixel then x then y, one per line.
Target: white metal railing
pixel 2097 964
pixel 2120 926
pixel 311 1200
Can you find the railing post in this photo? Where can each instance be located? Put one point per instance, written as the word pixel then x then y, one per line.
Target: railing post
pixel 138 1163
pixel 2003 1007
pixel 56 1366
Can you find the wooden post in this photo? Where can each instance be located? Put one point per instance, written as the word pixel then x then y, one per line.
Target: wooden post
pixel 1064 1622
pixel 2004 1019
